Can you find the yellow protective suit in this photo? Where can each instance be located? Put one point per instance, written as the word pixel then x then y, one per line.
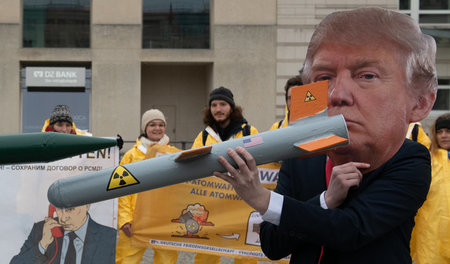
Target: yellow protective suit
pixel 212 139
pixel 430 239
pixel 422 137
pixel 276 125
pixel 77 131
pixel 125 252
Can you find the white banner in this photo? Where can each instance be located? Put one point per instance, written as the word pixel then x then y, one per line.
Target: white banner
pixel 23 195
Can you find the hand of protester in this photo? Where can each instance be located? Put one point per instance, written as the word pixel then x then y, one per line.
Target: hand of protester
pixel 245 180
pixel 47 237
pixel 126 228
pixel 343 177
pixel 119 141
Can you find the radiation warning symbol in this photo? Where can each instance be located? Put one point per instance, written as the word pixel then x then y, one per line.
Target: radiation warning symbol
pixel 121 177
pixel 309 97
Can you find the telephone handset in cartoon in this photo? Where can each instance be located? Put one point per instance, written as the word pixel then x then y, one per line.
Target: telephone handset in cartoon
pixel 56 231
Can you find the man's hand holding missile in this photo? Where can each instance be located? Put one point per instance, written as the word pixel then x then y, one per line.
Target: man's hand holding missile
pixel 247 185
pixel 245 180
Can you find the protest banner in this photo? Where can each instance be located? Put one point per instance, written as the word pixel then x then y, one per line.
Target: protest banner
pixel 23 196
pixel 203 215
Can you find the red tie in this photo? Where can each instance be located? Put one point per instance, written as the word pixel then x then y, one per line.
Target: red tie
pixel 328 169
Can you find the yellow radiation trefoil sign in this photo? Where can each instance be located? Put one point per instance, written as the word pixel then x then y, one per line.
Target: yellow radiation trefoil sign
pixel 309 97
pixel 121 177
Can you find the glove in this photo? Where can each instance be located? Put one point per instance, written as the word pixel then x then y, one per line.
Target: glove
pixel 119 141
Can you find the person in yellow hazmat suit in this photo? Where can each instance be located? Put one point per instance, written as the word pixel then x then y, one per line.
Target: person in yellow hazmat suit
pixel 291 82
pixel 416 133
pixel 153 126
pixel 61 121
pixel 224 121
pixel 430 239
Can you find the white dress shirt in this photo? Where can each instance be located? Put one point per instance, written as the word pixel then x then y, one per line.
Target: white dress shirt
pixel 273 213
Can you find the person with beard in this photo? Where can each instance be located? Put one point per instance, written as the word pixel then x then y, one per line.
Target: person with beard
pixel 224 121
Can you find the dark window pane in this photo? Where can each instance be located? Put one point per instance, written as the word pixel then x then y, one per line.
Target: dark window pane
pixel 38 103
pixel 434 19
pixel 444 81
pixel 56 23
pixel 176 24
pixel 442 36
pixel 442 100
pixel 434 4
pixel 405 4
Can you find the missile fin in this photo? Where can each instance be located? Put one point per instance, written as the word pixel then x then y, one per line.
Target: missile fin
pixel 321 143
pixel 308 100
pixel 193 153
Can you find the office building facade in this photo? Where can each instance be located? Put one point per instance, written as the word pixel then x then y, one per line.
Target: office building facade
pixel 110 60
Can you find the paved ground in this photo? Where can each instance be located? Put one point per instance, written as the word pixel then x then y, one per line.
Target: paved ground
pixel 188 258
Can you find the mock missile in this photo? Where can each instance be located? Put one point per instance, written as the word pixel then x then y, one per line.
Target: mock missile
pixel 47 146
pixel 305 137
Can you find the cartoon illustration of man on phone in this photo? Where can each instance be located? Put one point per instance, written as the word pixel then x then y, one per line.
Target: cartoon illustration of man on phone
pixel 71 237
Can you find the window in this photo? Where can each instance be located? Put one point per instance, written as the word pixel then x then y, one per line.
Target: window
pixel 45 87
pixel 176 24
pixel 435 12
pixel 56 23
pixel 434 19
pixel 443 95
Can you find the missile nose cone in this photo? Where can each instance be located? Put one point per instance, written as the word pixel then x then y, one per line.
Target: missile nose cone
pixel 54 195
pixel 48 146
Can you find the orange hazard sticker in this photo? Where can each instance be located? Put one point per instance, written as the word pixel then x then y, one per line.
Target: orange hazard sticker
pixel 307 100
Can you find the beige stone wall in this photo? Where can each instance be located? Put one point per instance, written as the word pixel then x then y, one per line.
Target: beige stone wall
pixel 296 20
pixel 9 75
pixel 9 79
pixel 244 63
pixel 10 11
pixel 116 74
pixel 248 12
pixel 179 91
pixel 117 12
pixel 256 45
pixel 116 67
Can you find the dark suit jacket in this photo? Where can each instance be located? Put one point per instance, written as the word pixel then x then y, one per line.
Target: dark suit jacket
pixel 99 246
pixel 374 223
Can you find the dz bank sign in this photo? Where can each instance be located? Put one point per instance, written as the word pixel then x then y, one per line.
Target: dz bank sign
pixel 55 76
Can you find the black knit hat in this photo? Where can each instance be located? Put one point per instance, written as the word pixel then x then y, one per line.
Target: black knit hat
pixel 442 122
pixel 221 93
pixel 61 113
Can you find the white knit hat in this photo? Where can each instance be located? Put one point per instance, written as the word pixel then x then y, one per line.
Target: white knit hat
pixel 150 115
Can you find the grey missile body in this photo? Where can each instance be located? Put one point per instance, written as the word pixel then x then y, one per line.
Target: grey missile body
pixel 270 146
